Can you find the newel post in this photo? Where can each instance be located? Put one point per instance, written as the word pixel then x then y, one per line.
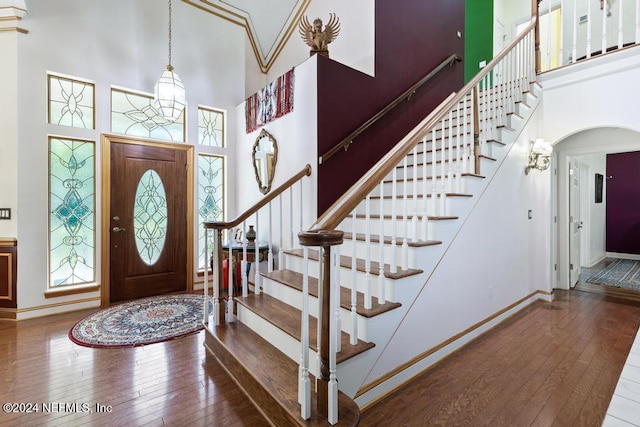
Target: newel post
pixel 324 239
pixel 216 271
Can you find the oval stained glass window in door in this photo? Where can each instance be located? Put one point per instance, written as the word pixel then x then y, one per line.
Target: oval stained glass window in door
pixel 150 217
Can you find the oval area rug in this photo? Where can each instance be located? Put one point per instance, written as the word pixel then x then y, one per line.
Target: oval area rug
pixel 143 321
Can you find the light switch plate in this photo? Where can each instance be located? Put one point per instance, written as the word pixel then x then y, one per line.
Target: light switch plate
pixel 5 213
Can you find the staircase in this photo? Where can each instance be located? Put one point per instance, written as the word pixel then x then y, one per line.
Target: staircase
pixel 407 211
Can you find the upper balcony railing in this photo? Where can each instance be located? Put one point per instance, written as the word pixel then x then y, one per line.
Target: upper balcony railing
pixel 575 30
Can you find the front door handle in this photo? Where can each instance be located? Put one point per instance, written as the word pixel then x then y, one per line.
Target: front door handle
pixel 118 229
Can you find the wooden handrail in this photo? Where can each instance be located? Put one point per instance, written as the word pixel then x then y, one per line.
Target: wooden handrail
pixel 223 225
pixel 333 216
pixel 406 95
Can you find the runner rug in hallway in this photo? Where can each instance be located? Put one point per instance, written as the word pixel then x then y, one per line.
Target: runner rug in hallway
pixel 140 322
pixel 623 273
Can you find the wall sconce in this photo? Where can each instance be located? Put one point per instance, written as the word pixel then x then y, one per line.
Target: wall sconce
pixel 539 156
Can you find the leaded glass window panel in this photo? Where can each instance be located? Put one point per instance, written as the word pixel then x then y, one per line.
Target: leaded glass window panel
pixel 71 212
pixel 210 196
pixel 211 127
pixel 71 102
pixel 150 217
pixel 136 114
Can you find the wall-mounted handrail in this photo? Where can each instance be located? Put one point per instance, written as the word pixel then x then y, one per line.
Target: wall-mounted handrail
pixel 405 96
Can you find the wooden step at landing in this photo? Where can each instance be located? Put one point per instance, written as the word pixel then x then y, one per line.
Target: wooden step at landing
pixel 268 377
pixel 293 279
pixel 345 261
pixel 289 319
pixel 388 241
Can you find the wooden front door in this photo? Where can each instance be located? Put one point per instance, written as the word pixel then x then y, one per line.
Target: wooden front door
pixel 148 220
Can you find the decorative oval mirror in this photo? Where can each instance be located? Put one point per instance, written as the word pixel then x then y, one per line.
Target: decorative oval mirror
pixel 265 157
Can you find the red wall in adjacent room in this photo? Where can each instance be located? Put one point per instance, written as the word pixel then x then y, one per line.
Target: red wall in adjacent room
pixel 623 203
pixel 412 38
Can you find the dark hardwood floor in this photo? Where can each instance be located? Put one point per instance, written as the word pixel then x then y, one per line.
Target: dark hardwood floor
pixel 553 364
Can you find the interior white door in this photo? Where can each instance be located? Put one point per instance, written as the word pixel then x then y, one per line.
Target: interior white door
pixel 575 223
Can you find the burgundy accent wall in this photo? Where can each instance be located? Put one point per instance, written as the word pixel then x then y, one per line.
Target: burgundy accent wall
pixel 623 203
pixel 412 38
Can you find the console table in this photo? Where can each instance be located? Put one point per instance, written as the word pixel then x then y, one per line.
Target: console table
pixel 237 254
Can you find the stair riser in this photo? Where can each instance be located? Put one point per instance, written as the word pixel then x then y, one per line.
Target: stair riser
pixel 346 278
pixel 391 227
pixel 293 298
pixel 406 258
pixel 414 207
pixel 276 336
pixel 418 172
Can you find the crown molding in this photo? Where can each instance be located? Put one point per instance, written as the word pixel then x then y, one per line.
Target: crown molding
pixel 265 49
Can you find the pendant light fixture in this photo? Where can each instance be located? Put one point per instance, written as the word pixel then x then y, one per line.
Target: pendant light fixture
pixel 169 90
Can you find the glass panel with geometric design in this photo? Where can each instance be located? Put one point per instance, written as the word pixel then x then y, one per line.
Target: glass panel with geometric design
pixel 71 212
pixel 136 114
pixel 210 127
pixel 150 217
pixel 210 196
pixel 71 102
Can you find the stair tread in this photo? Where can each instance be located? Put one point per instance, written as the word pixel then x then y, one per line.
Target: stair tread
pixel 387 240
pixel 254 363
pixel 288 319
pixel 345 261
pixel 464 175
pixel 420 196
pixel 410 215
pixel 293 279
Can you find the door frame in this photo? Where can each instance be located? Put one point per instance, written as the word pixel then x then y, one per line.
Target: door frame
pixel 105 199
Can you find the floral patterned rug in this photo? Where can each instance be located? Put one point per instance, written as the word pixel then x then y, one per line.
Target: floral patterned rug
pixel 140 322
pixel 623 273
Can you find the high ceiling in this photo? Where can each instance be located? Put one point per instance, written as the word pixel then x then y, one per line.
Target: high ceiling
pixel 269 24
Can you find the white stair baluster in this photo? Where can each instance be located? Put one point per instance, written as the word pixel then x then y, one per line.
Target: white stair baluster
pixel 381 276
pixel 256 263
pixel 335 295
pixel 394 232
pixel 604 27
pixel 588 32
pixel 425 205
pixel 561 50
pixel 354 281
pixel 449 187
pixel 270 240
pixel 280 249
pixel 405 216
pixel 230 264
pixel 414 217
pixel 367 249
pixel 434 194
pixel 620 25
pixel 574 49
pixel 304 384
pixel 243 265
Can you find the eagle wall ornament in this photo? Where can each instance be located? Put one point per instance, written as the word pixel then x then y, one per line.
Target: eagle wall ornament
pixel 317 38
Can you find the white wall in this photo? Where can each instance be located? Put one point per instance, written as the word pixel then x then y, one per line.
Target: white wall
pixel 122 43
pixel 498 258
pixel 295 135
pixel 589 108
pixel 354 46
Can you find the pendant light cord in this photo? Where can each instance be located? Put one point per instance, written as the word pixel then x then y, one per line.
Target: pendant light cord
pixel 170 10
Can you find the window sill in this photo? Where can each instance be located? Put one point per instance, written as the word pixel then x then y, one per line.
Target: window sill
pixel 71 290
